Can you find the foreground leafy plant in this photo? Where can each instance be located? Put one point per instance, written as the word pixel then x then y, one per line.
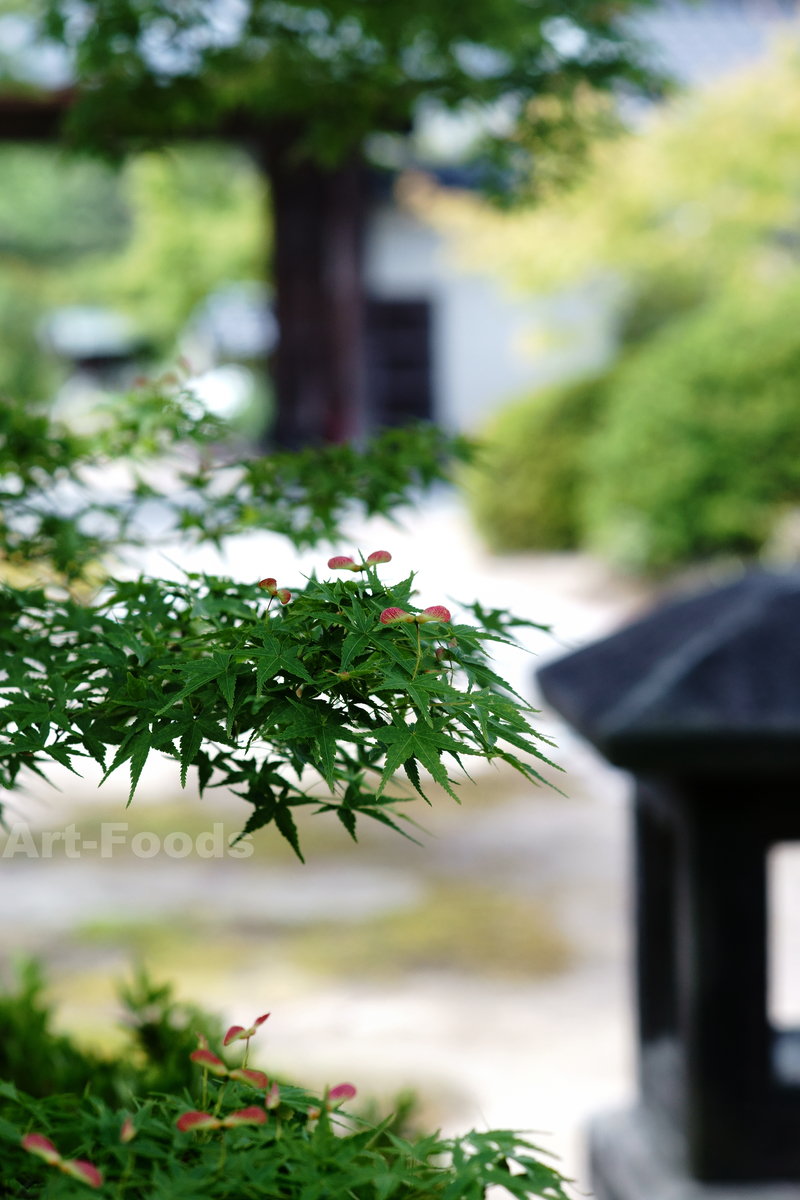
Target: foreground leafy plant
pixel 288 1154
pixel 252 1139
pixel 315 702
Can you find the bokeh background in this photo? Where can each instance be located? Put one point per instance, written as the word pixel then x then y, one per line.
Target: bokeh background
pixel 628 353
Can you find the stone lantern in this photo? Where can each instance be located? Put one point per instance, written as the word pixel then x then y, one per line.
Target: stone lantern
pixel 700 700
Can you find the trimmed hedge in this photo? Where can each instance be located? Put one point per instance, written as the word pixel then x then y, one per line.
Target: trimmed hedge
pixel 688 449
pixel 699 447
pixel 526 490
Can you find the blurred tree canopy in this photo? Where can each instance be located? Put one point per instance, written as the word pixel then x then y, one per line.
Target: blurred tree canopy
pixel 304 84
pixel 689 445
pixel 702 197
pixel 330 74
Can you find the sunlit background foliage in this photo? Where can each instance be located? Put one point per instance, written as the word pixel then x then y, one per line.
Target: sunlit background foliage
pixel 686 447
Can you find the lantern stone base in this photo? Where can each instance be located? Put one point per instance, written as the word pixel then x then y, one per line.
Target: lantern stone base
pixel 634 1156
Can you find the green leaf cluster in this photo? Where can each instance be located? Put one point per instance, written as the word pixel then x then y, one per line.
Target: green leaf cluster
pixel 198 219
pixel 293 1155
pixel 527 489
pixel 150 241
pixel 73 1096
pixel 709 414
pixel 256 698
pixel 56 514
pixel 53 211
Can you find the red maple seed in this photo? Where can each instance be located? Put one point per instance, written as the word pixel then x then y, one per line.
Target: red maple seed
pixel 128 1131
pixel 395 616
pixel 78 1168
pixel 238 1033
pixel 437 612
pixel 342 1092
pixel 36 1143
pixel 343 562
pixel 209 1062
pixel 197 1120
pixel 245 1116
pixel 379 556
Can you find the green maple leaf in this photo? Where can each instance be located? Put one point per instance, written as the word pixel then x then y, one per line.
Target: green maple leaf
pixel 273 659
pixel 421 742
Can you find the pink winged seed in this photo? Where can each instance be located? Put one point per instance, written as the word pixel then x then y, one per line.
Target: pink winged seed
pixel 128 1131
pixel 273 1097
pixel 85 1171
pixel 269 585
pixel 379 556
pixel 343 1091
pixel 245 1116
pixel 436 612
pixel 196 1120
pixel 251 1032
pixel 391 615
pixel 209 1061
pixel 36 1143
pixel 343 562
pixel 238 1032
pixel 284 595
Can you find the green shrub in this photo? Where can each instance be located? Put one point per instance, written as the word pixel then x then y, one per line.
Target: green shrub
pixel 298 1150
pixel 162 1032
pixel 237 1135
pixel 525 494
pixel 699 446
pixel 656 300
pixel 688 449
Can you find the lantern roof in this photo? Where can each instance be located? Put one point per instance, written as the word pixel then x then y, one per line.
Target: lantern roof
pixel 706 682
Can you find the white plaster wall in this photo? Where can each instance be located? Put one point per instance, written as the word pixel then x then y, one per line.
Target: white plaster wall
pixel 489 346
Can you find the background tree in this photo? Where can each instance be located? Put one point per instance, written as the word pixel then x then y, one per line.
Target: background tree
pixel 304 84
pixel 686 446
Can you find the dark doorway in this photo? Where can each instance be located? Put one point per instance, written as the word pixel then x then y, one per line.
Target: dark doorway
pixel 398 351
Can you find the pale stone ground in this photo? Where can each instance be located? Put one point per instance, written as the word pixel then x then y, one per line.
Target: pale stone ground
pixel 539 1053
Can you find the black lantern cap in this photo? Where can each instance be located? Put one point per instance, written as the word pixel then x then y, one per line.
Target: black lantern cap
pixel 708 682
